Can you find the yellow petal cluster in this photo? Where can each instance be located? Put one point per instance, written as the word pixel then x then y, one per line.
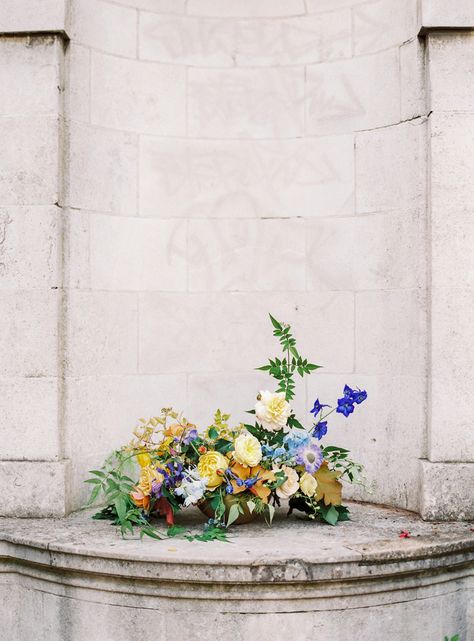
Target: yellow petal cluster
pixel 208 466
pixel 247 450
pixel 308 484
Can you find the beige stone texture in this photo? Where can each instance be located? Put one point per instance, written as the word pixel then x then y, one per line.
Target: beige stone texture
pixel 235 103
pixel 243 179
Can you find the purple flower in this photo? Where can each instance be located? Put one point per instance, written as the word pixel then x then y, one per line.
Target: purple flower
pixel 320 429
pixel 156 489
pixel 311 457
pixel 317 407
pixel 192 435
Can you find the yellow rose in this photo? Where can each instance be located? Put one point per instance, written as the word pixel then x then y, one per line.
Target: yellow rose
pixel 272 411
pixel 147 476
pixel 247 450
pixel 208 466
pixel 308 484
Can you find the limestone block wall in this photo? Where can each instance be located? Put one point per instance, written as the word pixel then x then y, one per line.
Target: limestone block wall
pixel 227 159
pixel 210 161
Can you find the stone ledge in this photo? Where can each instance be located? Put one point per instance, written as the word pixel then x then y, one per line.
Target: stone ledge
pixel 77 580
pixel 293 550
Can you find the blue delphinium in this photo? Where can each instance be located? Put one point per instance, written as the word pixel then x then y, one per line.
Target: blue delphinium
pixel 317 407
pixel 345 405
pixel 320 430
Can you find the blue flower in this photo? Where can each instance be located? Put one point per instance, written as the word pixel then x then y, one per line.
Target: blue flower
pixel 317 407
pixel 320 429
pixel 345 405
pixel 229 489
pixel 296 439
pixel 358 396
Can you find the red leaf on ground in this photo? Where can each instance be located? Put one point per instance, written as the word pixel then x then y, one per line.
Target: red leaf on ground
pixel 404 534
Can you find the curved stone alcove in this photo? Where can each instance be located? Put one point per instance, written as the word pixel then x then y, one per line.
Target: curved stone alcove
pixel 77 580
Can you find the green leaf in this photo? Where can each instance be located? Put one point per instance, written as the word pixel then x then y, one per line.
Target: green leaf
pixel 93 481
pixel 98 473
pixel 94 494
pixel 121 507
pixel 264 368
pixel 275 323
pixel 175 530
pixel 330 514
pixel 271 513
pixel 251 506
pixel 213 433
pixel 234 513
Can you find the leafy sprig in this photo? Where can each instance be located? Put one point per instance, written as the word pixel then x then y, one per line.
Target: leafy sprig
pixel 283 369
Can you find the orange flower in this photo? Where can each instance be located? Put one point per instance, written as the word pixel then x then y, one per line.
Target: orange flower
pixel 140 499
pixel 258 488
pixel 174 430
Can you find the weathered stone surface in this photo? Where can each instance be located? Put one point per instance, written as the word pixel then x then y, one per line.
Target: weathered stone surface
pixel 223 43
pixel 137 254
pixel 148 98
pixel 383 23
pixel 233 8
pixel 219 248
pixel 360 575
pixel 31 16
pixel 245 179
pixel 447 491
pixel 29 67
pixel 451 71
pixel 215 332
pixel 29 419
pixel 29 247
pixel 350 95
pixel 390 167
pixel 101 334
pixel 29 333
pixel 437 13
pixel 33 488
pixel 235 103
pixel 104 26
pixel 102 169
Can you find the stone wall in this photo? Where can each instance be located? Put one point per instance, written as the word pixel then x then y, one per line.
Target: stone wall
pixel 220 160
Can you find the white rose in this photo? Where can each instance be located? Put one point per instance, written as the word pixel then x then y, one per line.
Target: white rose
pixel 247 450
pixel 272 410
pixel 308 484
pixel 291 485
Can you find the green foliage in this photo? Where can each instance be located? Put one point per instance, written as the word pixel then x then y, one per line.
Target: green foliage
pixel 454 638
pixel 284 369
pixel 317 510
pixel 339 460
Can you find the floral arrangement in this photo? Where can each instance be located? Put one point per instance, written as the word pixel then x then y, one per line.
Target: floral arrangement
pixel 231 473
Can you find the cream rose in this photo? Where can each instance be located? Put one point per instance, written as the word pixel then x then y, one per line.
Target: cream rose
pixel 308 484
pixel 212 466
pixel 247 450
pixel 291 485
pixel 272 410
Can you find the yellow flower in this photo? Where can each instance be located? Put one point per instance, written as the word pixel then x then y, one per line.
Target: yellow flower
pixel 209 465
pixel 272 410
pixel 147 476
pixel 247 450
pixel 143 458
pixel 308 484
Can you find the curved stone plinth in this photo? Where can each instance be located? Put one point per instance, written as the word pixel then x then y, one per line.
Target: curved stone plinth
pixel 75 579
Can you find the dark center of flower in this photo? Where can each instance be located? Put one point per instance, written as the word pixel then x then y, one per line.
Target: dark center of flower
pixel 310 457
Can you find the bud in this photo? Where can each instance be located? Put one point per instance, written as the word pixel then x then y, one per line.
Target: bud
pixel 220 472
pixel 202 449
